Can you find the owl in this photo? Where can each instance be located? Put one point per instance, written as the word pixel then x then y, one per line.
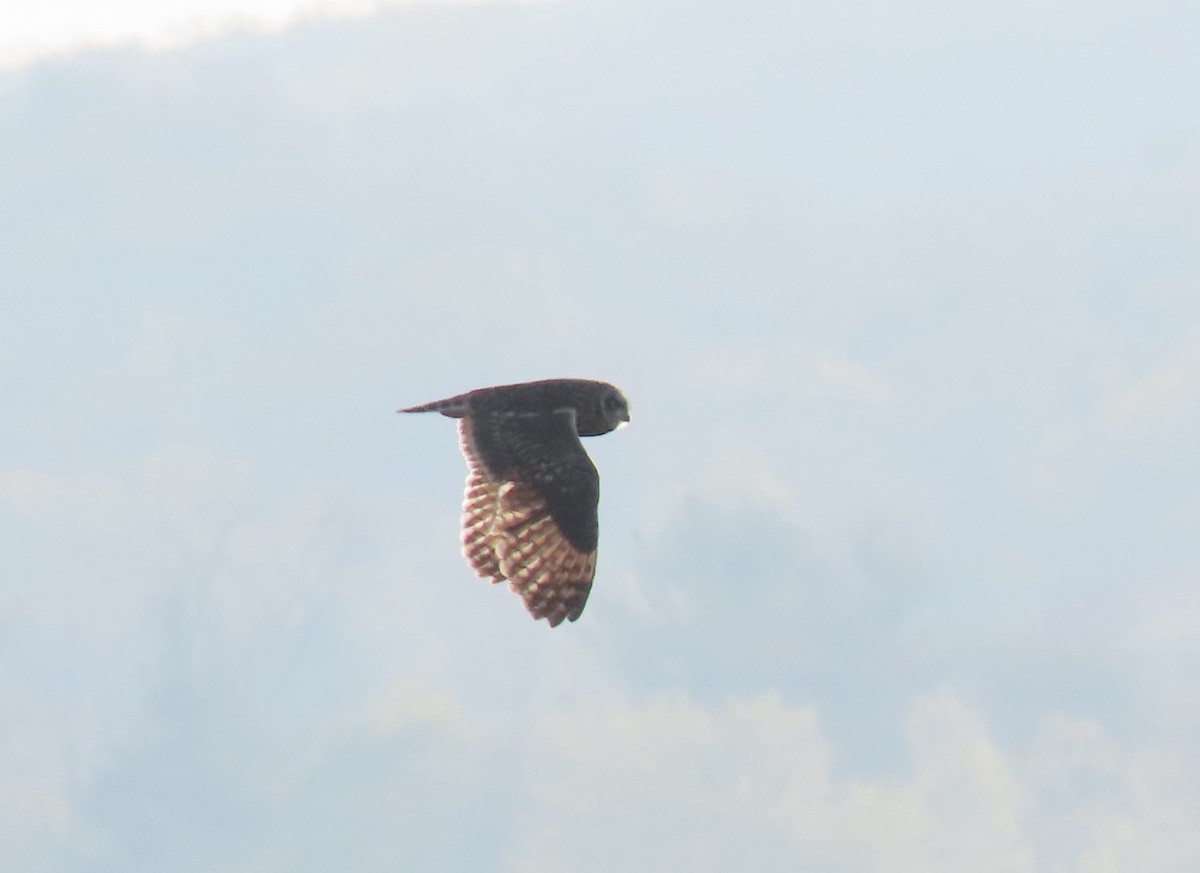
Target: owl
pixel 529 510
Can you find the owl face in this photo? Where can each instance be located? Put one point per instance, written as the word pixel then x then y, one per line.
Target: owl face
pixel 607 411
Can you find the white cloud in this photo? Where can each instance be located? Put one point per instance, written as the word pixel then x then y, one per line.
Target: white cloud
pixel 793 371
pixel 965 790
pixel 1064 746
pixel 31 806
pixel 755 783
pixel 32 31
pixel 96 566
pixel 1168 626
pixel 411 701
pixel 1165 400
pixel 1156 825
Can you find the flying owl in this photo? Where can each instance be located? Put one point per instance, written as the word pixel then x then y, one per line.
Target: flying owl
pixel 529 510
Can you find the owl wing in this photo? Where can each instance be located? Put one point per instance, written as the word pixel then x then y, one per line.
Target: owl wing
pixel 529 509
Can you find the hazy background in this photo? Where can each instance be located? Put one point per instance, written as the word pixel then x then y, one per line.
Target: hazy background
pixel 899 561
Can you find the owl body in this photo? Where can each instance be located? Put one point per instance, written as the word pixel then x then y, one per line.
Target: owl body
pixel 598 406
pixel 530 505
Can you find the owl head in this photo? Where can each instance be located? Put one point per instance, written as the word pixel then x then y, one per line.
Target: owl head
pixel 605 410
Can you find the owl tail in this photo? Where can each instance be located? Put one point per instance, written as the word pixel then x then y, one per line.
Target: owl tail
pixel 453 407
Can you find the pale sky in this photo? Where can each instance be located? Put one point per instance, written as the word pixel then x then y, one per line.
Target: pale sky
pixel 898 561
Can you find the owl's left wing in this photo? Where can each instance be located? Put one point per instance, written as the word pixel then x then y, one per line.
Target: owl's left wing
pixel 529 511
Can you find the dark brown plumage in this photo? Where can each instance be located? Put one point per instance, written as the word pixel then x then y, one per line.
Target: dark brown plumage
pixel 529 510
